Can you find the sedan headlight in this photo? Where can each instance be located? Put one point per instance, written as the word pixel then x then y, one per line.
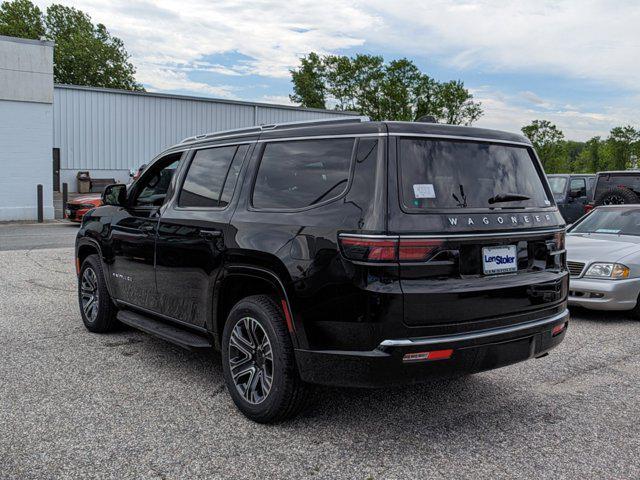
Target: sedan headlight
pixel 607 270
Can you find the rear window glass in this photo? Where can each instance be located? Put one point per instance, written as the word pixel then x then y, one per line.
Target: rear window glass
pixel 558 184
pixel 607 181
pixel 459 174
pixel 299 174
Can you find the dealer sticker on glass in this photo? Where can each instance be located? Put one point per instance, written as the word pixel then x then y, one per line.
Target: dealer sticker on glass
pixel 499 259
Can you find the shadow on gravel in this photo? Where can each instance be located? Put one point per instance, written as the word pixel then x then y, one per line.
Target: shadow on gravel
pixel 585 315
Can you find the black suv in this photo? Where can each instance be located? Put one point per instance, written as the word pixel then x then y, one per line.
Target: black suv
pixel 617 188
pixel 571 193
pixel 343 252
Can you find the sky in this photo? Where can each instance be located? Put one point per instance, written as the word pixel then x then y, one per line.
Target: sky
pixel 573 62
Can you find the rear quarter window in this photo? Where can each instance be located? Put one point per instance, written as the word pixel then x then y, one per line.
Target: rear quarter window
pixel 301 173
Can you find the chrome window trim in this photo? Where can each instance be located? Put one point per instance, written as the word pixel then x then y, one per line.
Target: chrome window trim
pixel 459 235
pixel 460 137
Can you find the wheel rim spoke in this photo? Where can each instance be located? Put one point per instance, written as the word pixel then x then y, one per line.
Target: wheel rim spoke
pixel 251 360
pixel 89 294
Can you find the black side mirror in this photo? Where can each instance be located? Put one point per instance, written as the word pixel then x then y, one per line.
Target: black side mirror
pixel 115 195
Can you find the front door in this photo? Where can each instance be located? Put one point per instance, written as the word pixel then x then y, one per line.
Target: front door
pixel 194 232
pixel 133 236
pixel 577 199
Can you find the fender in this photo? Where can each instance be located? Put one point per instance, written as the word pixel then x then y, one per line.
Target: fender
pixel 87 241
pixel 296 328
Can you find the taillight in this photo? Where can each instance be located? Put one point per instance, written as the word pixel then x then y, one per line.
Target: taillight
pixel 558 238
pixel 369 249
pixel 587 208
pixel 417 250
pixel 388 249
pixel 558 329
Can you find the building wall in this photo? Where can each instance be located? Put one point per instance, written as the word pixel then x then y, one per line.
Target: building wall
pixel 109 132
pixel 26 127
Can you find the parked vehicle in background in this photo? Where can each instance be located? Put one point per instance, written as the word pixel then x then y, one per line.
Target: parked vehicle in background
pixel 603 257
pixel 78 206
pixel 571 193
pixel 341 252
pixel 617 188
pixel 136 174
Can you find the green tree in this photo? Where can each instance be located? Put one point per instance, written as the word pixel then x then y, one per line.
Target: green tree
pixel 396 90
pixel 622 147
pixel 84 53
pixel 308 84
pixel 590 157
pixel 21 18
pixel 547 140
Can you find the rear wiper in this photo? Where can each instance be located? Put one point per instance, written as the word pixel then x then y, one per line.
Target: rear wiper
pixel 508 197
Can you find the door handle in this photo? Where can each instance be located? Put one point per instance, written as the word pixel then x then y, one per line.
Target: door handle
pixel 210 234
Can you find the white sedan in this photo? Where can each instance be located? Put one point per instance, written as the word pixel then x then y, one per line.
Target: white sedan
pixel 603 257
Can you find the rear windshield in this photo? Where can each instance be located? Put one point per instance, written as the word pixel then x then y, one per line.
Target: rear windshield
pixel 607 181
pixel 462 174
pixel 558 185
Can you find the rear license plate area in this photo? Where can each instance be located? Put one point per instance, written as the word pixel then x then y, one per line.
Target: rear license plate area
pixel 499 259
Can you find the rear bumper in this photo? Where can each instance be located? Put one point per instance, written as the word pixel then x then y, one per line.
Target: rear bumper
pixel 604 294
pixel 472 352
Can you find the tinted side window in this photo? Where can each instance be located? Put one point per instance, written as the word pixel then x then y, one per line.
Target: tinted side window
pixel 232 175
pixel 206 176
pixel 299 174
pixel 579 186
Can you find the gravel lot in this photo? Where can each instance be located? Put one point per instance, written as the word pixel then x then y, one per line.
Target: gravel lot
pixel 125 405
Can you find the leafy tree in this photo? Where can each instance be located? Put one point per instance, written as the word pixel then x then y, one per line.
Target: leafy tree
pixel 84 53
pixel 547 140
pixel 21 18
pixel 308 84
pixel 590 159
pixel 621 146
pixel 396 90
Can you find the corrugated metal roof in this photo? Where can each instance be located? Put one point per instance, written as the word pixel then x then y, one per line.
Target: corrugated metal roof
pixel 107 129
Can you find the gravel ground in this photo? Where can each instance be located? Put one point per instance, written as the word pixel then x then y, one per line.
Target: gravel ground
pixel 125 405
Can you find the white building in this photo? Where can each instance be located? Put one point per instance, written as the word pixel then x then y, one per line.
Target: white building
pixel 48 133
pixel 26 127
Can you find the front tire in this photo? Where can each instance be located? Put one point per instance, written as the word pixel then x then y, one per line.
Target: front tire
pixel 96 307
pixel 259 363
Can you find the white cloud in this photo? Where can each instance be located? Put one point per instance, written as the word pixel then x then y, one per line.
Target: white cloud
pixel 593 41
pixel 505 112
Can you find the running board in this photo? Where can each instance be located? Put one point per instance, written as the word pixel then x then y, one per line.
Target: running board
pixel 176 335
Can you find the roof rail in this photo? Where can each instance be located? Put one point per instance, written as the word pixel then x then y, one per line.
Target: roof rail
pixel 276 126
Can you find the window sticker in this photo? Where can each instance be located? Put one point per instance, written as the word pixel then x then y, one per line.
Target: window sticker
pixel 607 230
pixel 423 190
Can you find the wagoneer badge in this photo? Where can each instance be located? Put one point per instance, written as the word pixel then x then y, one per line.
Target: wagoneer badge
pixel 504 220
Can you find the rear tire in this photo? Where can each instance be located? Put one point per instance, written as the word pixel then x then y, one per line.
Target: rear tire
pixel 96 307
pixel 259 362
pixel 617 196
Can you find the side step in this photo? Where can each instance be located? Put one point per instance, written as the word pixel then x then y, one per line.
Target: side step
pixel 176 335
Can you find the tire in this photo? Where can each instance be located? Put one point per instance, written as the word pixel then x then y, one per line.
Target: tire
pixel 257 326
pixel 99 315
pixel 617 196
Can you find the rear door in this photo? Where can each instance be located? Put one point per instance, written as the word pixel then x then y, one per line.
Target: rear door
pixel 194 231
pixel 478 232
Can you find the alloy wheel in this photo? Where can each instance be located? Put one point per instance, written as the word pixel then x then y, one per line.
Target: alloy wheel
pixel 89 294
pixel 251 360
pixel 614 200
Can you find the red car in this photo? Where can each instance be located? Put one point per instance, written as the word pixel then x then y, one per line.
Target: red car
pixel 80 205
